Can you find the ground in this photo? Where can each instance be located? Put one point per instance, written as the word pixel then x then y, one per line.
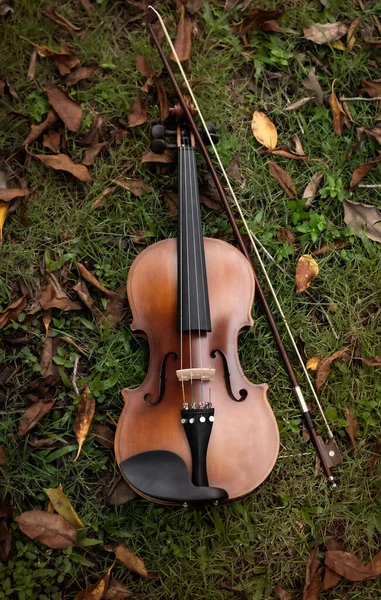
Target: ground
pixel 246 548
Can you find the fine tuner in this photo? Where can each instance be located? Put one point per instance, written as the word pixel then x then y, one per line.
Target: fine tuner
pixel 159 132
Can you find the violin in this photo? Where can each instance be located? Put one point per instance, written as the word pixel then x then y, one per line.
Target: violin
pixel 196 430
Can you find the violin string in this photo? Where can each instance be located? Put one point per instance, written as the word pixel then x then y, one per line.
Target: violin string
pixel 193 199
pixel 185 206
pixel 181 281
pixel 254 241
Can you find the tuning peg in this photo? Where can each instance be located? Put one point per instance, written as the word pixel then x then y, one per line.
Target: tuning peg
pixel 159 132
pixel 212 131
pixel 158 146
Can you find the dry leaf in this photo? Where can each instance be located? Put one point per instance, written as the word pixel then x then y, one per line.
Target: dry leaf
pixel 352 426
pixel 313 363
pixel 46 363
pixel 53 296
pixel 307 270
pixel 63 507
pixel 82 290
pixel 85 414
pixel 104 435
pixel 12 311
pixel 135 186
pixel 362 170
pixel 281 593
pixel 64 59
pixel 8 194
pixel 3 458
pixel 81 73
pixel 166 157
pixel 60 20
pixel 284 152
pixel 256 19
pixel 97 590
pixel 33 415
pixel 62 162
pixel 349 566
pixel 363 218
pixel 130 560
pixel 49 529
pixel 372 362
pixel 66 108
pixel 338 114
pixel 92 136
pixel 121 494
pixel 98 202
pixel 162 98
pixel 264 130
pixel 147 70
pixel 183 41
pixel 138 114
pixel 117 591
pixel 3 215
pixel 116 308
pixel 91 153
pixel 351 39
pixel 283 178
pixel 374 133
pixel 313 87
pixel 312 188
pixel 325 33
pixel 36 130
pixel 52 140
pixel 298 103
pixel 94 281
pixel 372 88
pixel 233 170
pixel 324 367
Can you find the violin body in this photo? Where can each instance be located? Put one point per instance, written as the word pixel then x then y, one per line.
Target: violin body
pixel 244 441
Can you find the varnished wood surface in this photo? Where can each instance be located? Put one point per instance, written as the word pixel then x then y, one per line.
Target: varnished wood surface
pixel 244 443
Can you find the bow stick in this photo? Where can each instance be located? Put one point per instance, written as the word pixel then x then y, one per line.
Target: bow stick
pixel 328 452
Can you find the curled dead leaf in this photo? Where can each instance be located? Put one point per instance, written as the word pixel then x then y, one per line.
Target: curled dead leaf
pixel 63 507
pixel 298 104
pixel 36 130
pixel 33 415
pixel 281 593
pixel 362 170
pixel 117 591
pixel 264 130
pixel 313 363
pixel 11 312
pixel 312 188
pixel 162 98
pixel 349 566
pixel 313 87
pixel 92 152
pixel 352 426
pixel 307 270
pixel 284 152
pixel 53 296
pixel 97 590
pixel 85 414
pixel 138 114
pixel 94 281
pixel 183 41
pixel 66 108
pixel 325 33
pixel 363 218
pixel 9 194
pixel 257 19
pixel 351 33
pixel 324 367
pixel 283 179
pixel 49 529
pixel 52 140
pixel 130 560
pixel 338 113
pixel 62 162
pixel 81 73
pixel 104 435
pixel 167 157
pixel 137 187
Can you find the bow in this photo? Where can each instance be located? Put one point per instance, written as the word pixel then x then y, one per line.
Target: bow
pixel 327 452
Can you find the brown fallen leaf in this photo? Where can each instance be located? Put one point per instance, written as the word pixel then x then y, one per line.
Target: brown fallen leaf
pixel 121 494
pixel 137 187
pixel 129 559
pixel 362 170
pixel 49 529
pixel 36 130
pixel 338 114
pixel 11 312
pixel 71 342
pixel 66 108
pixel 65 60
pixel 363 218
pixel 117 591
pixel 104 435
pixel 307 270
pixel 233 170
pixel 351 33
pixel 325 33
pixel 8 194
pixel 85 414
pixel 3 215
pixel 91 153
pixel 82 290
pixel 284 152
pixel 285 235
pixel 331 579
pixel 138 114
pixel 96 591
pixel 349 566
pixel 99 202
pixel 41 442
pixel 94 281
pixel 298 103
pixel 147 70
pixel 5 540
pixel 62 162
pixel 314 577
pixel 162 99
pixel 372 362
pixel 312 188
pixel 283 179
pixel 281 593
pixel 46 364
pixel 264 130
pixel 92 136
pixel 53 296
pixel 63 507
pixel 60 20
pixel 372 88
pixel 183 41
pixel 116 308
pixel 33 415
pixel 167 157
pixel 352 426
pixel 256 19
pixel 324 367
pixel 313 87
pixel 52 140
pixel 81 73
pixel 374 133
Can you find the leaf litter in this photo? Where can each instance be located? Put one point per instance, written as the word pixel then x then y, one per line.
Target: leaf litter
pixel 85 414
pixel 52 530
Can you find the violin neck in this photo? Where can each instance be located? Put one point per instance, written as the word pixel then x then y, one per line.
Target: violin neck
pixel 193 300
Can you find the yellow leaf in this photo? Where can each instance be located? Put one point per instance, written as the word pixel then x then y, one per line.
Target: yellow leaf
pixel 63 506
pixel 313 363
pixel 338 44
pixel 306 271
pixel 85 413
pixel 264 130
pixel 97 590
pixel 3 213
pixel 50 508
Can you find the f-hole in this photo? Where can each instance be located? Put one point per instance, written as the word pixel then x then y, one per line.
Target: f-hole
pixel 148 397
pixel 242 393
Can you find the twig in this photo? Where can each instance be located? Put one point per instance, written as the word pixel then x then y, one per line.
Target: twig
pixel 297 118
pixel 111 419
pixel 74 376
pixel 369 185
pixel 342 99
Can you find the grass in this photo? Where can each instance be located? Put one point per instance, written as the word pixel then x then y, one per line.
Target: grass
pixel 264 540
